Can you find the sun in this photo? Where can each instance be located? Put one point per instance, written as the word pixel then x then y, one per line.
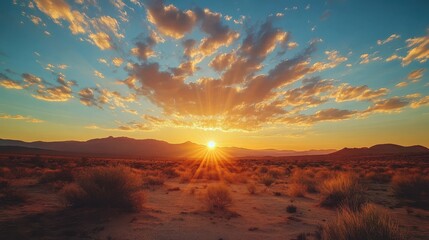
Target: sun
pixel 211 144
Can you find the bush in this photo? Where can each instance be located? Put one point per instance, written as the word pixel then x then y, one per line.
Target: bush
pixel 151 181
pixel 343 190
pixel 296 190
pixel 251 188
pixel 371 223
pixel 64 175
pixel 10 196
pixel 116 187
pixel 267 180
pixel 413 186
pixel 218 197
pixel 307 178
pixel 291 208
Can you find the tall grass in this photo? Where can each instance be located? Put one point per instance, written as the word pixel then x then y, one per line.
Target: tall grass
pixel 411 186
pixel 218 197
pixel 370 223
pixel 343 190
pixel 116 187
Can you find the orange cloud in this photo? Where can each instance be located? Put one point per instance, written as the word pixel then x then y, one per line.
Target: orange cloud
pixel 170 20
pixel 418 50
pixel 21 117
pixel 389 39
pixel 346 92
pixel 60 10
pixel 102 40
pixel 416 74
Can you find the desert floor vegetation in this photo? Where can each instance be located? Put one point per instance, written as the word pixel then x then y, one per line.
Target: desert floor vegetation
pixel 244 199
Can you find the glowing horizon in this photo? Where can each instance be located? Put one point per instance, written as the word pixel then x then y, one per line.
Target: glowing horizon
pixel 284 75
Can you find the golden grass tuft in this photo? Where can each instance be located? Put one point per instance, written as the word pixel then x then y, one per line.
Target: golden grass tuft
pixel 370 223
pixel 343 190
pixel 218 197
pixel 101 187
pixel 411 186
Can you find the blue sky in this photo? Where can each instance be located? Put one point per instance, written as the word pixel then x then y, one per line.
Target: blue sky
pixel 283 74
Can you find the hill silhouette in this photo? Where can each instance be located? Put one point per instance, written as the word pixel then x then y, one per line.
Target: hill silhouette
pixel 124 146
pixel 382 149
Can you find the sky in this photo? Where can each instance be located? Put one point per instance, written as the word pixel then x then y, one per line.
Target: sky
pixel 257 74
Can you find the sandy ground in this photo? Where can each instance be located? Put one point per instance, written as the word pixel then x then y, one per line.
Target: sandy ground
pixel 177 211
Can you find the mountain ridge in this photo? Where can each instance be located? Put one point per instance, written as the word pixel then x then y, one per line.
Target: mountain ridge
pixel 125 146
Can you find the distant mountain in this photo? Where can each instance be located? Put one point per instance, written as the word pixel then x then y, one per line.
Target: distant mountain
pixel 382 149
pixel 123 146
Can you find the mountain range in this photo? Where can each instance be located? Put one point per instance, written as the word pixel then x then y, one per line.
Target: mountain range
pixel 151 148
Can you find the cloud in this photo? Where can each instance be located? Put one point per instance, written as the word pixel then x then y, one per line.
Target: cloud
pixel 334 61
pixel 61 93
pixel 367 58
pixel 401 84
pixel 418 50
pixel 102 40
pixel 100 96
pixel 424 101
pixel 170 20
pixel 389 39
pixel 308 94
pixel 219 34
pixel 36 20
pixel 393 57
pixel 394 104
pixel 107 23
pixel 416 74
pixel 346 92
pixel 144 49
pixel 98 74
pixel 20 117
pixel 117 61
pixel 8 83
pixel 222 61
pixel 59 10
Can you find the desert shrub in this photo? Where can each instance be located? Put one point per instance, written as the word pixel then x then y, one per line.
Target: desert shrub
pixel 170 173
pixel 116 187
pixel 9 196
pixel 371 223
pixel 410 186
pixel 64 175
pixel 251 188
pixel 218 197
pixel 5 172
pixel 305 177
pixel 150 181
pixel 291 208
pixel 263 169
pixel 276 172
pixel 296 190
pixel 343 189
pixel 378 177
pixel 267 180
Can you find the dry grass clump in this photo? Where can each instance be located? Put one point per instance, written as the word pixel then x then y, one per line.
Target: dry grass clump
pixel 251 188
pixel 267 180
pixel 153 180
pixel 411 186
pixel 378 177
pixel 9 196
pixel 291 208
pixel 343 190
pixel 218 197
pixel 296 190
pixel 370 223
pixel 305 177
pixel 63 175
pixel 101 187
